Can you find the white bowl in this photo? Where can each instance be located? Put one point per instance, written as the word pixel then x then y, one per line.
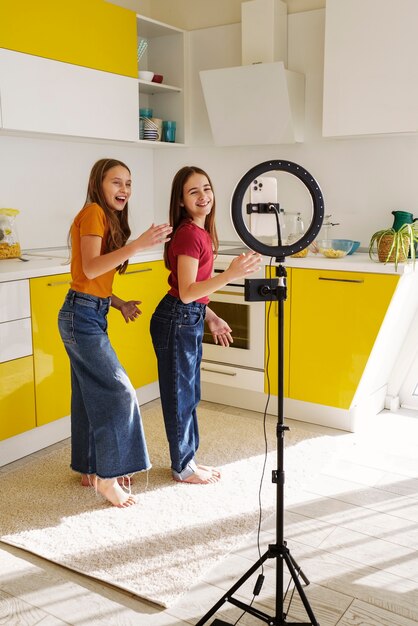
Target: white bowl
pixel 145 75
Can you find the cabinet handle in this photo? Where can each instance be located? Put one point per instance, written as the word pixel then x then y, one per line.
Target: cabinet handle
pixel 59 282
pixel 147 269
pixel 342 280
pixel 207 369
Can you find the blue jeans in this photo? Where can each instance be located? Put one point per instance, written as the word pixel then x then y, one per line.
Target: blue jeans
pixel 177 333
pixel 107 436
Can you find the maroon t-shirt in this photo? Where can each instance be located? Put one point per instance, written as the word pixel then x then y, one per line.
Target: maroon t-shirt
pixel 190 240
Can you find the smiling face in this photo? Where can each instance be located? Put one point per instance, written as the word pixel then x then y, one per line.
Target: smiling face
pixel 197 198
pixel 116 186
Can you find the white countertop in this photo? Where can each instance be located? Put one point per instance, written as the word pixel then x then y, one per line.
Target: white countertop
pixel 48 262
pixel 357 262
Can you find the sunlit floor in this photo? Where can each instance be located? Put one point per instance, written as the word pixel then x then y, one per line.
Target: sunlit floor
pixel 353 530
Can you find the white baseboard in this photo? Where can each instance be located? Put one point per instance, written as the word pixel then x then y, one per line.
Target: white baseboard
pixel 341 419
pixel 33 440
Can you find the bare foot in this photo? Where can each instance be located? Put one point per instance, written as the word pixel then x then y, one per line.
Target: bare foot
pixel 87 480
pixel 209 468
pixel 111 490
pixel 202 476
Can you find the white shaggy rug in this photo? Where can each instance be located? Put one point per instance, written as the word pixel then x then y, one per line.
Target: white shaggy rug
pixel 162 546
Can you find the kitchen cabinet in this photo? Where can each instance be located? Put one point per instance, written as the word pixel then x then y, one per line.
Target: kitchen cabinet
pixel 51 364
pixel 371 55
pixel 17 393
pixel 94 34
pixel 132 342
pixel 165 54
pixel 271 348
pixel 17 397
pixel 15 322
pixel 47 96
pixel 336 317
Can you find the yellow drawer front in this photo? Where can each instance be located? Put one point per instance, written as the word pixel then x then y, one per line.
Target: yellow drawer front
pixel 132 342
pixel 52 365
pixel 336 317
pixel 17 397
pixel 91 33
pixel 272 325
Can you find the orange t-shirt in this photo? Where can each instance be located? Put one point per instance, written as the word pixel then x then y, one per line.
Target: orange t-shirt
pixel 90 221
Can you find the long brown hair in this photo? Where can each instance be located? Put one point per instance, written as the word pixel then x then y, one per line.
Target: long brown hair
pixel 119 231
pixel 178 212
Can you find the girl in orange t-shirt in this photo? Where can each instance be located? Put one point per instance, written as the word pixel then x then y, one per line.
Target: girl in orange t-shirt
pixel 107 438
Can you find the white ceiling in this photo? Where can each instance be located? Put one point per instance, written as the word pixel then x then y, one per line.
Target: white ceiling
pixel 195 14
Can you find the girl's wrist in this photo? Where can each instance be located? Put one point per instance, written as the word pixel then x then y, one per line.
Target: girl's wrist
pixel 134 247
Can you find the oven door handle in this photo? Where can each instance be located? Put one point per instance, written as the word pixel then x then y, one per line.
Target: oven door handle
pixel 207 369
pixel 222 292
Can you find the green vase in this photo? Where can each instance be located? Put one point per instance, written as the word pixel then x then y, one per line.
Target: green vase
pixel 401 218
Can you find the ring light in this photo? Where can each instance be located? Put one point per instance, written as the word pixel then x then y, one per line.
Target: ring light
pixel 279 251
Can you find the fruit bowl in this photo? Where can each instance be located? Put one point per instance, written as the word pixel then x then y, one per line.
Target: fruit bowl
pixel 334 248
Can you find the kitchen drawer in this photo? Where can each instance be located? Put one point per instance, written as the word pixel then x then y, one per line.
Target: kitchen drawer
pixel 15 339
pixel 14 300
pixel 252 380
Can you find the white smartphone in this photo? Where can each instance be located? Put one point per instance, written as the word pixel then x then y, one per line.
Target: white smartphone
pixel 262 191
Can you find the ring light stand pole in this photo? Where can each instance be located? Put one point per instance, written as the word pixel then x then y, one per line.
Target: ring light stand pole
pixel 267 290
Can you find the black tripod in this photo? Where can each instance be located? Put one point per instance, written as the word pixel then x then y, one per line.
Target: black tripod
pixel 272 289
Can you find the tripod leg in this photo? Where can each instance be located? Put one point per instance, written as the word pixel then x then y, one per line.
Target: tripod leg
pixel 299 570
pixel 289 562
pixel 233 589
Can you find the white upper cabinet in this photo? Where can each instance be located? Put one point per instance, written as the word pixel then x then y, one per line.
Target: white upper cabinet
pixel 370 71
pixel 47 96
pixel 165 53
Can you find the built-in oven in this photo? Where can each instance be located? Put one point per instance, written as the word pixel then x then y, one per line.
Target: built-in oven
pixel 247 320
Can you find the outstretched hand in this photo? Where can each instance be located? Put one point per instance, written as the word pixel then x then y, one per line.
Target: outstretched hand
pixel 244 265
pixel 130 310
pixel 156 234
pixel 220 331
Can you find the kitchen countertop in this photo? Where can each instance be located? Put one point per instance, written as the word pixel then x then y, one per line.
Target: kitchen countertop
pixel 52 261
pixel 357 262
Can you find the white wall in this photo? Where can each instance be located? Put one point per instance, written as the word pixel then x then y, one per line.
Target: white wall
pixel 362 179
pixel 46 179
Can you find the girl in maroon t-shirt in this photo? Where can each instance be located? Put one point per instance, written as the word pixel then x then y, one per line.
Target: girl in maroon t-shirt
pixel 178 321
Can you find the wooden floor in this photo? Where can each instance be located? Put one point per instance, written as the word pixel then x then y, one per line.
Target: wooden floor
pixel 353 530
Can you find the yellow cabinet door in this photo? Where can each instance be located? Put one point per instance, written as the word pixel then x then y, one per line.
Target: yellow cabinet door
pixel 336 317
pixel 90 33
pixel 51 363
pixel 272 337
pixel 17 397
pixel 132 342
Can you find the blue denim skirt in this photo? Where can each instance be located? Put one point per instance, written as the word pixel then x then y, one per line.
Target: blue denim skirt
pixel 107 436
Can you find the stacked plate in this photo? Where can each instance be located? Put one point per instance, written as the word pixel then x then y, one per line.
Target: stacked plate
pixel 150 130
pixel 151 135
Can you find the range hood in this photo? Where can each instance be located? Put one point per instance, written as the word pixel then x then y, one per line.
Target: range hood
pixel 265 101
